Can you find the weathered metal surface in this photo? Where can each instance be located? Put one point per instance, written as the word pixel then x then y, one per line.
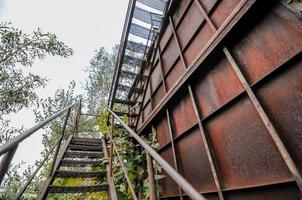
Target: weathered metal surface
pixel 159 94
pixel 216 84
pixel 191 22
pixel 162 129
pixel 183 115
pixel 244 150
pixel 281 98
pixel 174 74
pixel 243 61
pixel 168 186
pixel 193 162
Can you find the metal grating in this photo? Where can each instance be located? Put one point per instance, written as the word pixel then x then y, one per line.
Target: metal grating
pixel 143 20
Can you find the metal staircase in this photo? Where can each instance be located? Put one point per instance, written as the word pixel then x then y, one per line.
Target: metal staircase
pixel 79 158
pixel 86 159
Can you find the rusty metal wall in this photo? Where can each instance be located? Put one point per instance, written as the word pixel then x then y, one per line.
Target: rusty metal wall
pixel 225 97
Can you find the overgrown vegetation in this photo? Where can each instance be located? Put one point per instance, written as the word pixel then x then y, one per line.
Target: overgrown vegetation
pixel 18 51
pixel 23 52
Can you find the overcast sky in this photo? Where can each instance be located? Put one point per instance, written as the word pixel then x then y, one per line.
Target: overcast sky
pixel 83 25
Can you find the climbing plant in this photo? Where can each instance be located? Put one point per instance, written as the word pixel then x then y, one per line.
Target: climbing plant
pixel 133 156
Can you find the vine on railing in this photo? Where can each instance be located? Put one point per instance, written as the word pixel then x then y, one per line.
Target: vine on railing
pixel 134 159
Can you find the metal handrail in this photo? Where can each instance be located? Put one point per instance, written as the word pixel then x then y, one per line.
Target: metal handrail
pixel 125 171
pixel 15 141
pixel 178 178
pixel 23 189
pixel 8 149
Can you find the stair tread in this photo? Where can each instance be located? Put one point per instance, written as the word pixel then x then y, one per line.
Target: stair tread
pixel 87 139
pixel 83 154
pixel 77 189
pixel 88 143
pixel 85 147
pixel 65 162
pixel 79 174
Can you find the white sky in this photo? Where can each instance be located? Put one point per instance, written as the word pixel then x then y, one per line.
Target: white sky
pixel 83 25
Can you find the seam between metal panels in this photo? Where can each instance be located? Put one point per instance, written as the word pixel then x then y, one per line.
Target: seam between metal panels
pixel 265 119
pixel 213 42
pixel 173 149
pixel 209 152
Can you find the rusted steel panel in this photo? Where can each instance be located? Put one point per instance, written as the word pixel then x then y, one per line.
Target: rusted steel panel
pixel 208 4
pixel 198 43
pixel 183 116
pixel 159 94
pixel 285 191
pixel 180 11
pixel 223 10
pixel 274 38
pixel 147 110
pixel 156 77
pixel 169 187
pixel 281 97
pixel 162 131
pixel 165 37
pixel 188 26
pixel 148 94
pixel 174 74
pixel 248 163
pixel 245 152
pixel 217 84
pixel 193 162
pixel 169 55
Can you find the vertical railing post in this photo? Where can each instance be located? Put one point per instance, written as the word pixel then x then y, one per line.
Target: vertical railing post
pixel 152 187
pixel 111 145
pixel 51 171
pixel 77 119
pixel 5 162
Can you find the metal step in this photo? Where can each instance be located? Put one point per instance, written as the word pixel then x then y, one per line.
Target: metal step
pixel 80 139
pixel 75 174
pixel 82 142
pixel 127 102
pixel 83 154
pixel 77 189
pixel 85 147
pixel 72 163
pixel 125 113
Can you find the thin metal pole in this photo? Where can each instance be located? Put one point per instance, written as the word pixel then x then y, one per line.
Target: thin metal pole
pixel 5 161
pixel 76 123
pixel 111 145
pixel 125 172
pixel 151 179
pixel 173 149
pixel 44 191
pixel 181 181
pixel 204 139
pixel 112 190
pixel 12 143
pixel 51 170
pixel 267 122
pixel 20 193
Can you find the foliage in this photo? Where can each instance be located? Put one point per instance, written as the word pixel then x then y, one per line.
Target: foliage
pixel 50 106
pixel 133 157
pixel 18 50
pixel 100 73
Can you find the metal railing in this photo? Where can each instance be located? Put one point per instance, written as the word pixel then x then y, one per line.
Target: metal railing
pixel 7 150
pixel 151 153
